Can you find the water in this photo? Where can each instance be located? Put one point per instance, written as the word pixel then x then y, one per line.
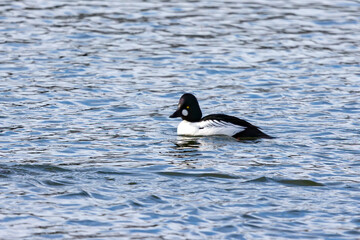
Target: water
pixel 87 150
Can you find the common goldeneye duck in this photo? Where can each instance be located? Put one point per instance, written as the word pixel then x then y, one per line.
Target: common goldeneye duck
pixel 214 124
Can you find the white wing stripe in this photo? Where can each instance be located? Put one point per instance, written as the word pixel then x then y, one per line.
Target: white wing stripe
pixel 218 127
pixel 209 127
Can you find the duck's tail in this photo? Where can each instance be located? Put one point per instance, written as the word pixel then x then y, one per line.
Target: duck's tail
pixel 251 133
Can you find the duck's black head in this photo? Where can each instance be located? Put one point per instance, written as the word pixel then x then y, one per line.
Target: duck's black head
pixel 188 108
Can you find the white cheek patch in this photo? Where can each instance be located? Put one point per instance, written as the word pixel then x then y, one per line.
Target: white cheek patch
pixel 184 112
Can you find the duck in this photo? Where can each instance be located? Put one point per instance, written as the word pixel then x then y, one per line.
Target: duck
pixel 193 124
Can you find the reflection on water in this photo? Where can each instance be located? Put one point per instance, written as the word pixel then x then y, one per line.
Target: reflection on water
pixel 187 143
pixel 87 149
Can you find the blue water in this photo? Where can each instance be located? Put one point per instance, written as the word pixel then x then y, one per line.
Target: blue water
pixel 87 150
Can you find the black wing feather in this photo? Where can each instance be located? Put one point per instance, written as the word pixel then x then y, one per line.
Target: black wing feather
pixel 227 118
pixel 250 131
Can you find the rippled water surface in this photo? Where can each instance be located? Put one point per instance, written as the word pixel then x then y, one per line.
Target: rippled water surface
pixel 87 150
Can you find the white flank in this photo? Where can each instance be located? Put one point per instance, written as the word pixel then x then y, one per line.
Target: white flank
pixel 207 128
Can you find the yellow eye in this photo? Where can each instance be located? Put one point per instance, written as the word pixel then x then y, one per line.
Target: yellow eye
pixel 187 107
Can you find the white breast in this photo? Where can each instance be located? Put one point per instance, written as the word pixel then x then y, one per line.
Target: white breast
pixel 209 127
